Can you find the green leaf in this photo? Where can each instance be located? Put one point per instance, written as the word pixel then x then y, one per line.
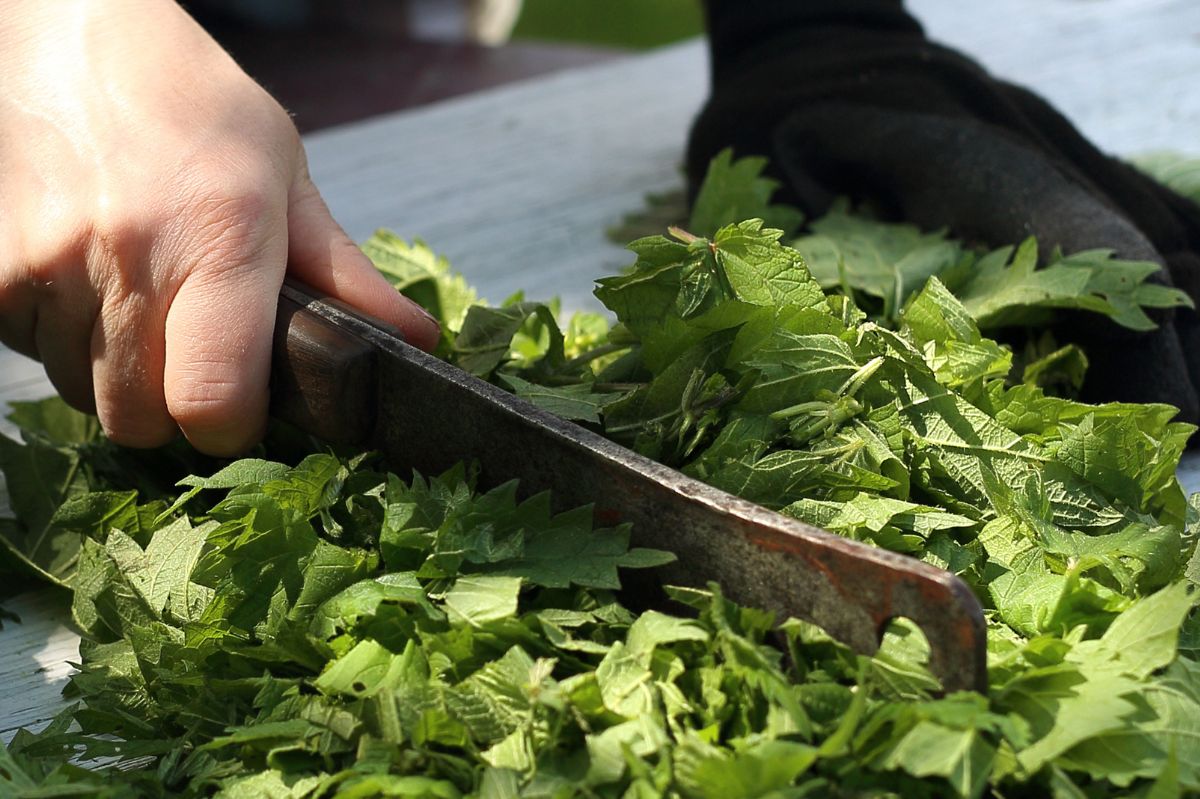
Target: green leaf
pixel 1163 731
pixel 793 369
pixel 1144 638
pixel 884 261
pixel 653 629
pixel 487 335
pixel 238 473
pixel 479 599
pixel 1178 171
pixel 54 422
pixel 162 573
pixel 367 669
pixel 760 271
pixel 424 276
pixel 766 768
pixel 1118 456
pixel 625 681
pixel 501 697
pixel 999 292
pixel 579 402
pixel 40 476
pixel 734 190
pixel 964 757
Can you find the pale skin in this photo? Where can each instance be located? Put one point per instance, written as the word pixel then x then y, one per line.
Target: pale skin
pixel 152 199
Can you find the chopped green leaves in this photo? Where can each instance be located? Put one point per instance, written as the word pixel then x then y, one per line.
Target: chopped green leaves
pixel 267 629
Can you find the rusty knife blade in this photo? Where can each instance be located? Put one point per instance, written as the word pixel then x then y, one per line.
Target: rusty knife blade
pixel 343 376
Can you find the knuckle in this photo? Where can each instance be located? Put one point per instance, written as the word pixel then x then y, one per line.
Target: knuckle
pixel 118 234
pixel 206 400
pixel 229 220
pixel 133 424
pixel 234 205
pixel 138 434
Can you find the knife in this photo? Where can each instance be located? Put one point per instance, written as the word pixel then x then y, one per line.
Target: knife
pixel 346 378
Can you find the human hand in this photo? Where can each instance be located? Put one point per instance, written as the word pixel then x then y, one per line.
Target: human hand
pixel 152 197
pixel 851 98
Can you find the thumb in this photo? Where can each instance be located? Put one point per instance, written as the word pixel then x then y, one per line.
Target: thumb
pixel 323 256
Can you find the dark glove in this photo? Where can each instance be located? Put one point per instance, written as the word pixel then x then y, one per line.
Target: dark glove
pixel 848 97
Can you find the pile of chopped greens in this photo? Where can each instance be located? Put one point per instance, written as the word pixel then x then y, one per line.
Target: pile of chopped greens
pixel 306 624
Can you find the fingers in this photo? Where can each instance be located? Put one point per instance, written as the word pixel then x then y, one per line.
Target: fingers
pixel 217 331
pixel 323 256
pixel 63 320
pixel 125 344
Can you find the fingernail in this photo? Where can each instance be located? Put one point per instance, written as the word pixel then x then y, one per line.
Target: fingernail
pixel 433 329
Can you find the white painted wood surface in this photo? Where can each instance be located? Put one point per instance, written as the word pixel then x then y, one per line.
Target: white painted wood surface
pixel 517 185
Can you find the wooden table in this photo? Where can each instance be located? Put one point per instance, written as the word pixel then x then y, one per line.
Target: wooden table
pixel 516 185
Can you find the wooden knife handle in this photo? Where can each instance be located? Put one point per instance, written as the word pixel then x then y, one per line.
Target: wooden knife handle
pixel 323 378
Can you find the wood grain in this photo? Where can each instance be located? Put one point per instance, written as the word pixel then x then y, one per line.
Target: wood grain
pixel 322 380
pixel 517 185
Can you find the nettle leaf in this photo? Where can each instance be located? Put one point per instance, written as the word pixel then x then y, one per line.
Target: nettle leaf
pixel 579 402
pixel 1118 456
pixel 648 292
pixel 424 276
pixel 1178 171
pixel 368 669
pixel 487 334
pixel 254 557
pixel 501 697
pixel 330 570
pixel 641 737
pixel 236 474
pixel 653 629
pixel 482 598
pixel 960 747
pixel 872 517
pixel 566 551
pixel 320 628
pixel 96 513
pixel 40 476
pixel 797 368
pixel 355 606
pixel 54 422
pixel 958 440
pixel 952 344
pixel 1068 707
pixel 161 573
pixel 760 271
pixel 1006 287
pixel 668 302
pixel 734 190
pixel 881 260
pixel 1063 370
pixel 1145 637
pixel 625 682
pixel 1160 735
pixel 760 769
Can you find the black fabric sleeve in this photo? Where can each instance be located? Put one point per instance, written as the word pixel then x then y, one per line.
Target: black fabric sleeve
pixel 737 27
pixel 849 97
